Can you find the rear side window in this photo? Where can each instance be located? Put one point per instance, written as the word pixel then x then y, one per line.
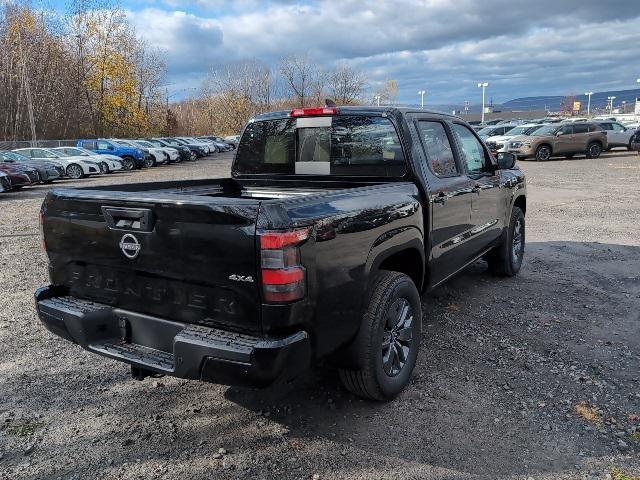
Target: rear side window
pixel 437 148
pixel 472 150
pixel 102 146
pixel 607 126
pixel 337 145
pixel 89 145
pixel 580 128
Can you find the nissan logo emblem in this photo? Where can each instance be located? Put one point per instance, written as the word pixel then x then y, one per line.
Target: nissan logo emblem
pixel 130 246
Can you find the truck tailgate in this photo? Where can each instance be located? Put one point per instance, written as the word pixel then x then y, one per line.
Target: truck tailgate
pixel 185 258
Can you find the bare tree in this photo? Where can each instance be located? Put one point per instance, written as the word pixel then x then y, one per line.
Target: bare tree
pixel 346 85
pixel 300 74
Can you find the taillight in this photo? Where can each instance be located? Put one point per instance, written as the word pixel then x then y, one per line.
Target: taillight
pixel 43 244
pixel 283 277
pixel 309 112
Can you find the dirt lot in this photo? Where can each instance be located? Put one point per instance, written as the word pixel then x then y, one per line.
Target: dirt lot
pixel 535 377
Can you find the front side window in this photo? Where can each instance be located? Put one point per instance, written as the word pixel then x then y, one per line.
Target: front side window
pixel 472 151
pixel 437 148
pixel 337 145
pixel 567 130
pixel 618 128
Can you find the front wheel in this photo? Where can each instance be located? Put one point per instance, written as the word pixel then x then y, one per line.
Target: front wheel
pixel 75 172
pixel 104 168
pixel 506 259
pixel 128 163
pixel 594 150
pixel 149 161
pixel 543 153
pixel 387 344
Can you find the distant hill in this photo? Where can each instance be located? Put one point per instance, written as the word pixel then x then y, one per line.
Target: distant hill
pixel 551 102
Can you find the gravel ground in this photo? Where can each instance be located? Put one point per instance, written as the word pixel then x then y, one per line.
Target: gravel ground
pixel 535 377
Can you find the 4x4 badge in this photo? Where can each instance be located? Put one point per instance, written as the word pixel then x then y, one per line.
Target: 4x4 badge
pixel 130 246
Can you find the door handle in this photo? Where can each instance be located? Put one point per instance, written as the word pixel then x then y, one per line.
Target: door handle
pixel 441 198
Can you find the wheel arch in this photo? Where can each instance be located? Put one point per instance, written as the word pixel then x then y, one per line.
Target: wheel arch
pixel 400 250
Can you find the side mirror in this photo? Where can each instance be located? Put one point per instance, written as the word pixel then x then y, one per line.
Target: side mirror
pixel 506 160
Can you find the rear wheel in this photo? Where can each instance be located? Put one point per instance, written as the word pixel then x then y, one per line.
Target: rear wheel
pixel 506 259
pixel 128 163
pixel 104 168
pixel 387 344
pixel 594 150
pixel 543 153
pixel 149 161
pixel 75 172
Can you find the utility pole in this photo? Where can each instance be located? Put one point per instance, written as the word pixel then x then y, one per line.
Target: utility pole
pixel 421 93
pixel 588 94
pixel 483 85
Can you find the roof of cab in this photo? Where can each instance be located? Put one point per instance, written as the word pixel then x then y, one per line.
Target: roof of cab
pixel 359 109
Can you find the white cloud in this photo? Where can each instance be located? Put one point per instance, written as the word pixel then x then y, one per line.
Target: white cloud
pixel 445 46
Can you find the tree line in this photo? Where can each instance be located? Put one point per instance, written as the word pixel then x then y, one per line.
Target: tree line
pixel 82 73
pixel 234 92
pixel 86 73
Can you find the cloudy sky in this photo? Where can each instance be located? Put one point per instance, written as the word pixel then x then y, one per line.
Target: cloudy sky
pixel 532 47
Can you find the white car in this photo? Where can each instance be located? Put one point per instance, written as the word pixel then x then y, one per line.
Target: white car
pixel 233 140
pixel 500 143
pixel 617 134
pixel 172 154
pixel 5 182
pixel 158 156
pixel 108 163
pixel 206 146
pixel 74 167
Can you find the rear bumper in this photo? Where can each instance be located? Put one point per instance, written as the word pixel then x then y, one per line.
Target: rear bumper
pixel 173 348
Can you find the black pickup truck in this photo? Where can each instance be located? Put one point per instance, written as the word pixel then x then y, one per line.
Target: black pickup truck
pixel 317 247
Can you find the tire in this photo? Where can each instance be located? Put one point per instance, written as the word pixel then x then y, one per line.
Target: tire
pixel 75 171
pixel 543 153
pixel 104 168
pixel 506 260
pixel 193 157
pixel 594 149
pixel 570 156
pixel 149 161
pixel 128 163
pixel 392 318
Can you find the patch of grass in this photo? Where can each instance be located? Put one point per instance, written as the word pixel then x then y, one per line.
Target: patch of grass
pixel 23 430
pixel 617 474
pixel 636 436
pixel 588 413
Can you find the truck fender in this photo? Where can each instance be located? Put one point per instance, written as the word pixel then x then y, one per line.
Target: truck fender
pixel 390 245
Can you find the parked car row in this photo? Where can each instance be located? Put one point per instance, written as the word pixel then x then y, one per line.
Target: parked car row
pixel 541 141
pixel 28 166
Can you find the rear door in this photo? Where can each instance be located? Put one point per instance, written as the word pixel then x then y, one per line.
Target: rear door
pixel 581 136
pixel 566 142
pixel 449 199
pixel 173 256
pixel 487 209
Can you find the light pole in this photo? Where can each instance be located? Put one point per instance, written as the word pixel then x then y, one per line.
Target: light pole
pixel 483 85
pixel 611 99
pixel 588 94
pixel 377 97
pixel 421 93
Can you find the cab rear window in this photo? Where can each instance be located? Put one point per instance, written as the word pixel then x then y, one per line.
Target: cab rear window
pixel 338 145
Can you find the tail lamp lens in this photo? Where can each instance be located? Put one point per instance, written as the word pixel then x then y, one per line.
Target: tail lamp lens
pixel 283 277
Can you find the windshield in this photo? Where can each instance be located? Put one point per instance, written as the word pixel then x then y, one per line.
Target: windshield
pixel 13 156
pixel 156 143
pixel 486 131
pixel 44 153
pixel 339 145
pixel 178 141
pixel 524 130
pixel 544 131
pixel 71 152
pixel 121 143
pixel 143 143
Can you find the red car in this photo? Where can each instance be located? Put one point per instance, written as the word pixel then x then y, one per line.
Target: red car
pixel 20 176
